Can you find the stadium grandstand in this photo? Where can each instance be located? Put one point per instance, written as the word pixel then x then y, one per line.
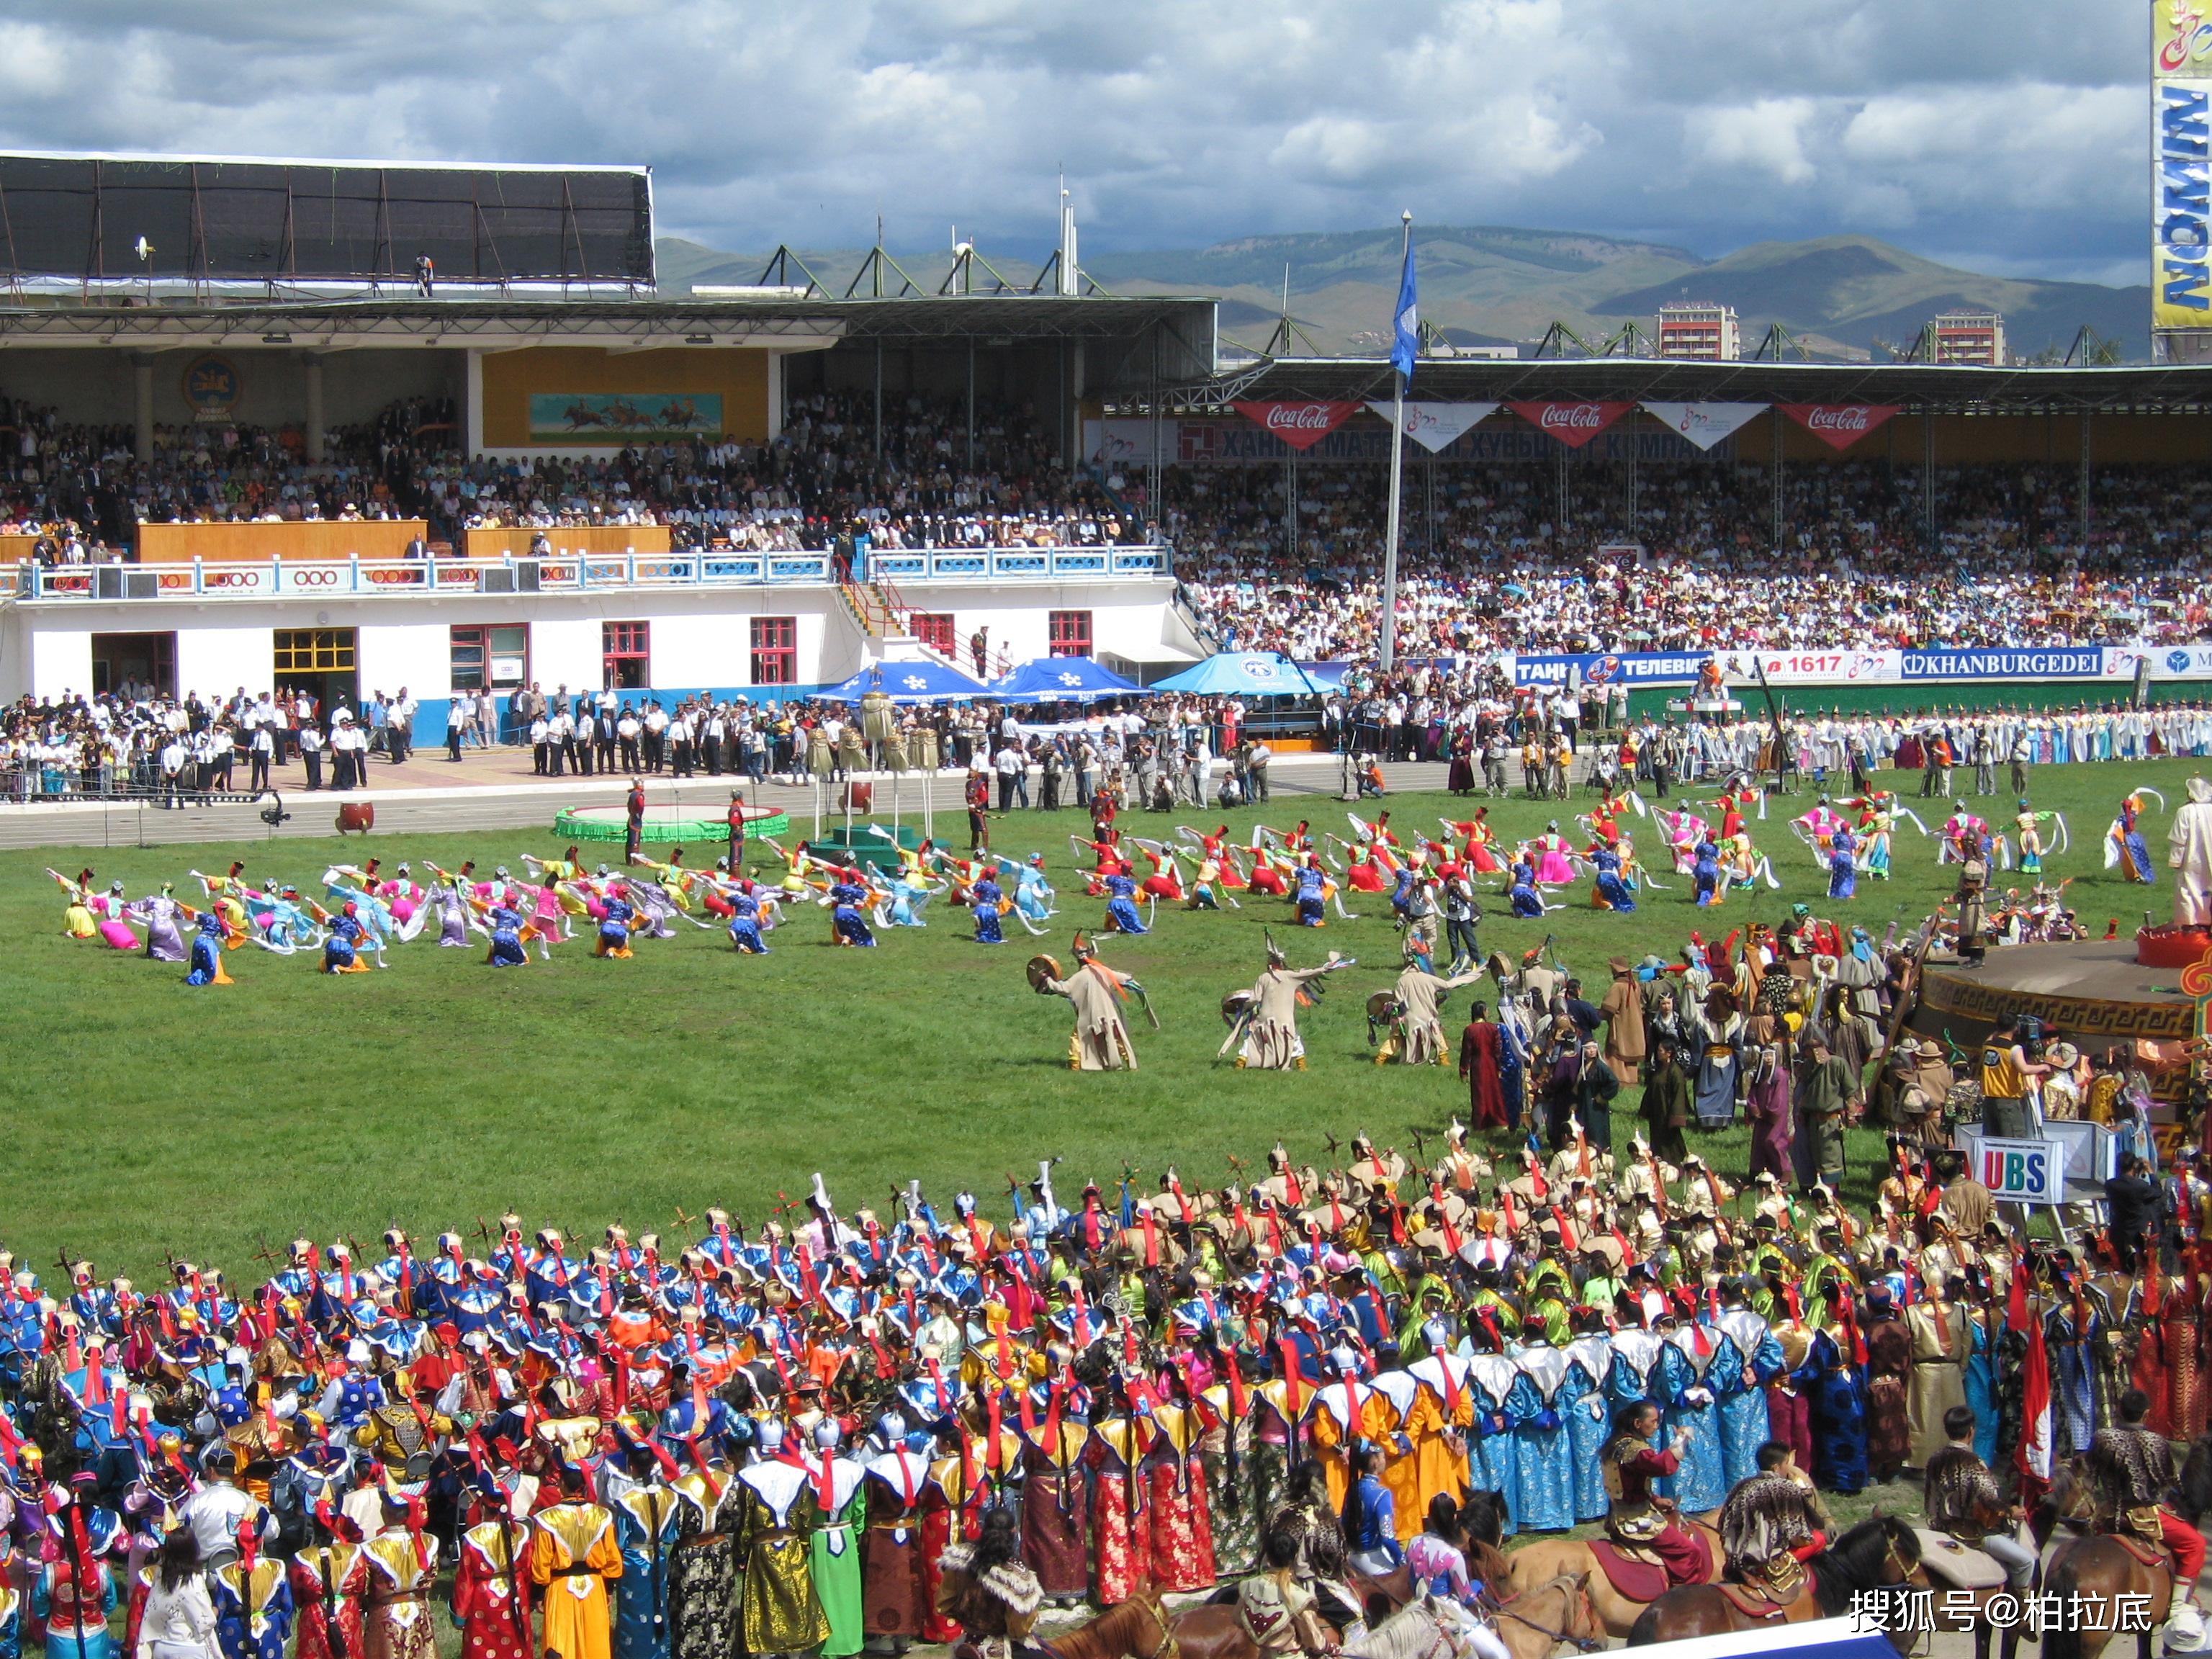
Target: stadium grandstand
pixel 346 427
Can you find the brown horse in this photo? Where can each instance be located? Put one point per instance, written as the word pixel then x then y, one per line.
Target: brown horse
pixel 1880 1553
pixel 2102 1570
pixel 1554 1558
pixel 1531 1629
pixel 1140 1628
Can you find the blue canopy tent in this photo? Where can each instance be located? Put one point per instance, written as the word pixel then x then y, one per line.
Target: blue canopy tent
pixel 1064 679
pixel 1247 674
pixel 906 681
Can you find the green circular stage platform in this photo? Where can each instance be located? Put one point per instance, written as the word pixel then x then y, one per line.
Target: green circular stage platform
pixel 869 844
pixel 664 825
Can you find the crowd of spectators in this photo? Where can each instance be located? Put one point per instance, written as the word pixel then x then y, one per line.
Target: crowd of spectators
pixel 136 742
pixel 1494 557
pixel 1496 567
pixel 924 484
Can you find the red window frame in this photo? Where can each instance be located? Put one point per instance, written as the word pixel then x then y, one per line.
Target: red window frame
pixel 1067 633
pixel 934 629
pixel 623 643
pixel 775 651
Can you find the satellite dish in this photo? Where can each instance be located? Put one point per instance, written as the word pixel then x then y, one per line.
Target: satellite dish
pixel 144 248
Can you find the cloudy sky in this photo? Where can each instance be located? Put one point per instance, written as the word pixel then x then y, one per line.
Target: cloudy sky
pixel 2008 135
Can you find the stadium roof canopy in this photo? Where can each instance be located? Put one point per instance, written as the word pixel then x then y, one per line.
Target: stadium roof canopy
pixel 95 218
pixel 2151 388
pixel 1140 342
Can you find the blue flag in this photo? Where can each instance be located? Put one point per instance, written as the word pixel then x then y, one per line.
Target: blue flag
pixel 1404 331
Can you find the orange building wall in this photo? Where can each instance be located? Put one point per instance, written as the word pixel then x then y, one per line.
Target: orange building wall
pixel 739 374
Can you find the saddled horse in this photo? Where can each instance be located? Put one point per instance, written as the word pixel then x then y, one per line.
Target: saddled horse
pixel 1880 1554
pixel 1548 1559
pixel 1141 1628
pixel 2097 1565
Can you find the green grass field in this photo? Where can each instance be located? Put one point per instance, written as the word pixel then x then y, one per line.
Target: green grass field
pixel 144 1116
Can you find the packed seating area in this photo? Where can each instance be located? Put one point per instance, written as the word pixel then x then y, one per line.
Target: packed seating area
pixel 822 476
pixel 1489 562
pixel 1497 570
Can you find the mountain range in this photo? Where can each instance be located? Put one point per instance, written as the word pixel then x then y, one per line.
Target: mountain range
pixel 1840 296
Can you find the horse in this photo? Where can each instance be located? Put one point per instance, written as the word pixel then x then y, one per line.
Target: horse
pixel 1530 1630
pixel 1882 1553
pixel 1551 1558
pixel 2101 1568
pixel 1140 1628
pixel 2096 1563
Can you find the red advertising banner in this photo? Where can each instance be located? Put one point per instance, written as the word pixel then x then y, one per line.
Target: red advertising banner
pixel 1300 425
pixel 1573 424
pixel 1838 425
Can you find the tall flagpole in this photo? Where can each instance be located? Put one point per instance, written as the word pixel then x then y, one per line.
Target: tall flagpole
pixel 1388 654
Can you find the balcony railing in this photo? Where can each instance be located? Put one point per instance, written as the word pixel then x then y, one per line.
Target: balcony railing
pixel 273 579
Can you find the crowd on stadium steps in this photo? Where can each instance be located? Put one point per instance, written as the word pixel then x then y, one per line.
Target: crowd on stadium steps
pixel 82 489
pixel 1495 571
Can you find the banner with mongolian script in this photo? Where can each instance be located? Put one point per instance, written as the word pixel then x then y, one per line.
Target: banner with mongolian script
pixel 1705 424
pixel 2181 165
pixel 1300 425
pixel 1838 425
pixel 1435 426
pixel 1571 424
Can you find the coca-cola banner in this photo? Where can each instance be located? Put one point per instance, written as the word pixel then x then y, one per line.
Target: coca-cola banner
pixel 1838 425
pixel 1571 424
pixel 1300 425
pixel 1436 425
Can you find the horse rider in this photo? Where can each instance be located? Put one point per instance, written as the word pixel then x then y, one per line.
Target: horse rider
pixel 1961 1498
pixel 1635 1520
pixel 1276 1610
pixel 1772 1525
pixel 2134 1467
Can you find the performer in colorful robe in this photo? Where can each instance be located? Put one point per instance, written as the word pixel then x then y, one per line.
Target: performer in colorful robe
pixel 1691 1416
pixel 253 1608
pixel 1843 868
pixel 1543 1450
pixel 745 922
pixel 644 1510
pixel 207 953
pixel 1183 1528
pixel 987 900
pixel 1749 1357
pixel 73 1593
pixel 837 1493
pixel 1491 1465
pixel 2124 845
pixel 403 1562
pixel 894 1593
pixel 1120 1508
pixel 1589 1360
pixel 1122 915
pixel 1053 1496
pixel 573 1556
pixel 491 1599
pixel 2027 823
pixel 342 949
pixel 781 1614
pixel 330 1577
pixel 1101 1043
pixel 848 918
pixel 703 1616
